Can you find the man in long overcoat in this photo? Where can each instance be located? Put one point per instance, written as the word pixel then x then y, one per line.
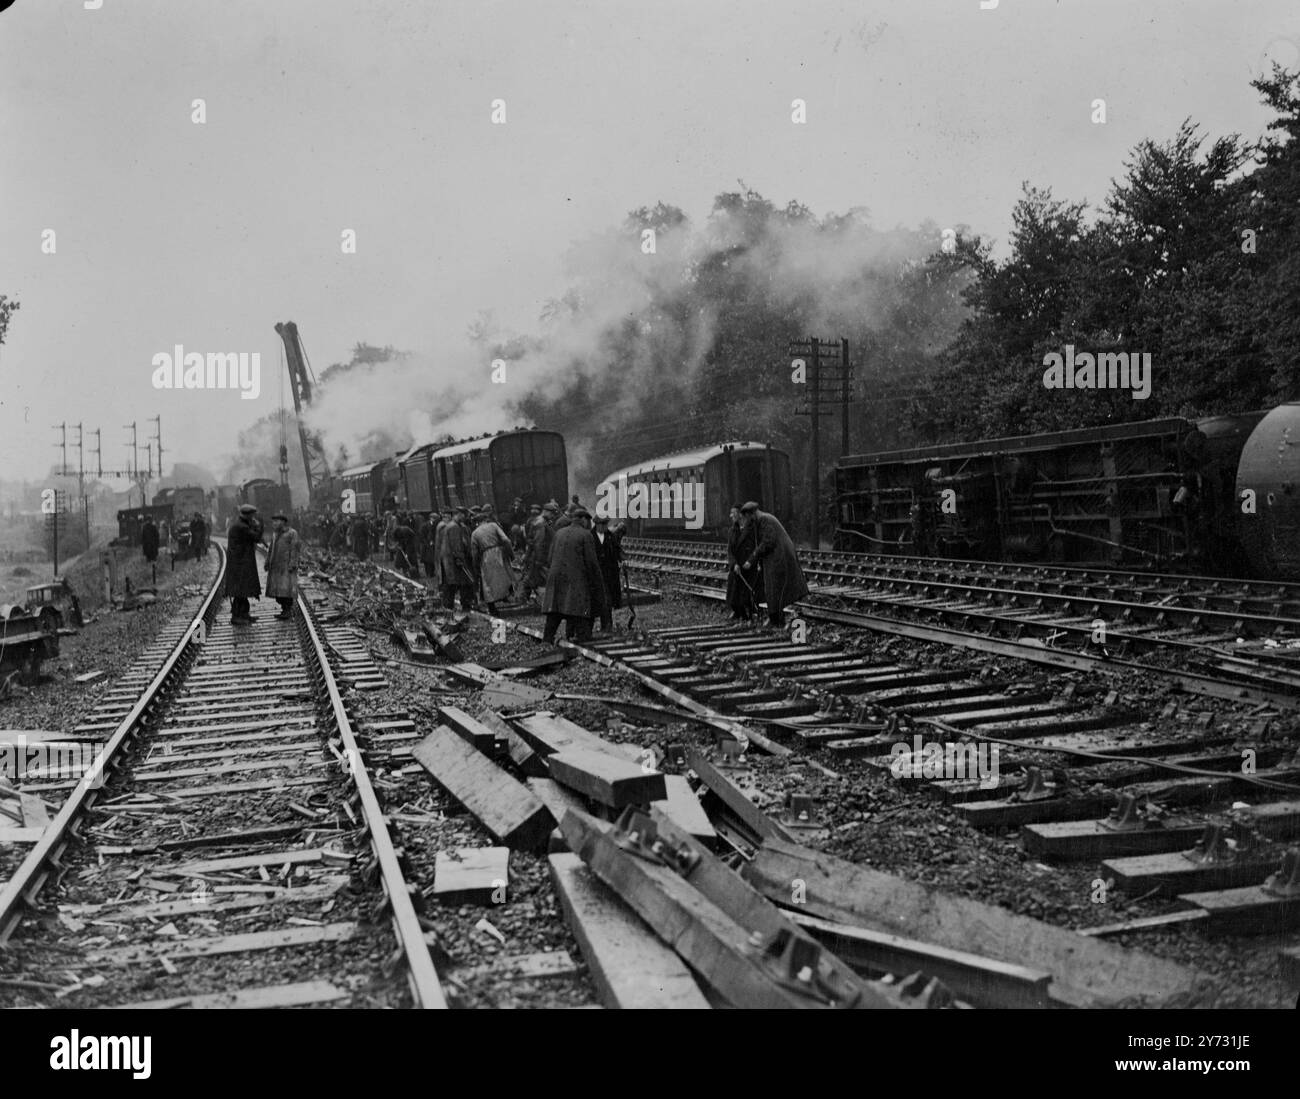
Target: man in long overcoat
pixel 741 586
pixel 455 574
pixel 242 581
pixel 575 590
pixel 199 536
pixel 541 537
pixel 609 552
pixel 783 579
pixel 491 552
pixel 282 565
pixel 427 544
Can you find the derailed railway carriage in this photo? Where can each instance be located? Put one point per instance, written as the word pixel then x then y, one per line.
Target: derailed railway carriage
pixel 1218 495
pixel 728 473
pixel 495 469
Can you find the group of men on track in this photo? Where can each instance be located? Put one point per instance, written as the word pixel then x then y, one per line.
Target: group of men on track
pixel 574 559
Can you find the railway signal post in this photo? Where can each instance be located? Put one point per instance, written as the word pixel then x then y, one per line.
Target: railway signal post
pixel 828 380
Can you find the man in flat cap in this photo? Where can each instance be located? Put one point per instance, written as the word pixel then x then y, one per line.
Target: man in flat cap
pixel 575 589
pixel 454 573
pixel 242 581
pixel 537 561
pixel 609 552
pixel 427 540
pixel 783 579
pixel 282 565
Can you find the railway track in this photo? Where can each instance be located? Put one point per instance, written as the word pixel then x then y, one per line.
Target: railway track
pixel 1222 638
pixel 1197 809
pixel 226 846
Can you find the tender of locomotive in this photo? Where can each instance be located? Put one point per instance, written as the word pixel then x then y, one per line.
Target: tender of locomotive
pixel 495 469
pixel 184 501
pixel 267 496
pixel 723 474
pixel 1214 495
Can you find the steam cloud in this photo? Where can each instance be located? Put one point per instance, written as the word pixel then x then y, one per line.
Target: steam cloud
pixel 634 327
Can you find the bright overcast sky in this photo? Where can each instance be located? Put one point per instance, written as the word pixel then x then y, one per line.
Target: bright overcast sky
pixel 375 116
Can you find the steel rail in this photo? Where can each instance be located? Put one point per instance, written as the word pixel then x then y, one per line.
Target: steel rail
pixel 30 877
pixel 1184 585
pixel 1034 650
pixel 423 975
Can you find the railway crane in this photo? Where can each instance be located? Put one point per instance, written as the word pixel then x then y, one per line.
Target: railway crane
pixel 300 377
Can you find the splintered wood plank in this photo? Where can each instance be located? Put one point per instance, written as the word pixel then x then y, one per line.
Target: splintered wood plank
pixel 245 862
pixel 248 835
pixel 508 810
pixel 191 904
pixel 549 733
pixel 35 811
pixel 1085 971
pixel 983 982
pixel 705 936
pixel 469 729
pixel 683 808
pixel 227 944
pixel 1191 915
pixel 472 875
pixel 294 995
pixel 558 799
pixel 521 753
pixel 607 779
pixel 735 798
pixel 741 902
pixel 629 966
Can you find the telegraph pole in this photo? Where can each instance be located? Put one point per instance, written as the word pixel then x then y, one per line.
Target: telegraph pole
pixel 845 377
pixel 820 404
pixel 81 483
pixel 814 410
pixel 157 423
pixel 63 446
pixel 135 459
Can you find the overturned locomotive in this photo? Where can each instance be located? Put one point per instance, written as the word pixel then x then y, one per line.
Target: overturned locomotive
pixel 1216 495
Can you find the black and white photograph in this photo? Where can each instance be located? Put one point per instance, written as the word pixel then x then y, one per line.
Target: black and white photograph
pixel 696 505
